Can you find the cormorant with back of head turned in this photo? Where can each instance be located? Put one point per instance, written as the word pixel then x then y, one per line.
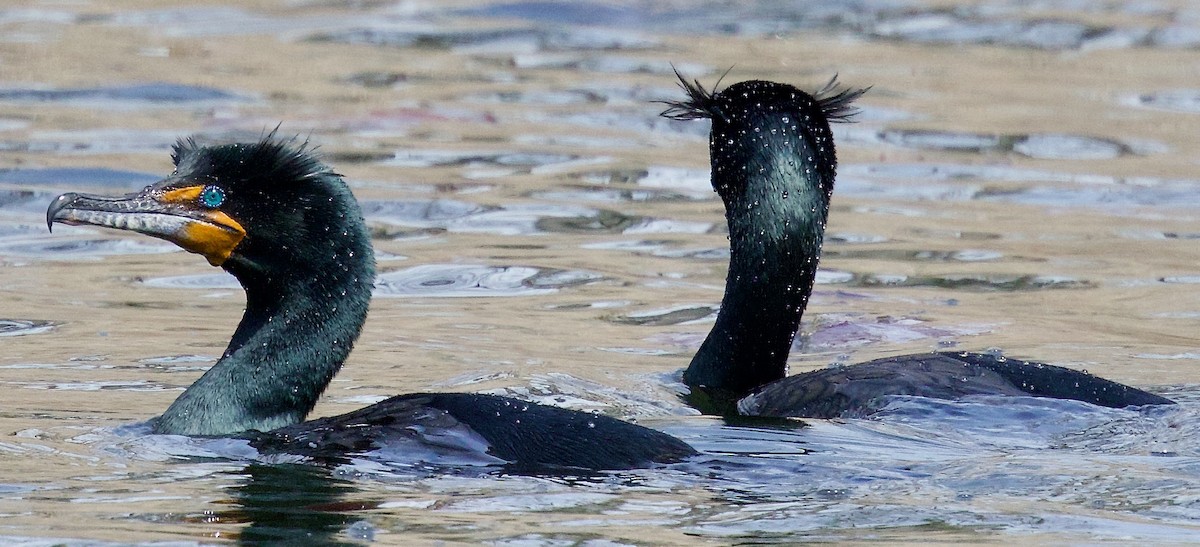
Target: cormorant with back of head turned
pixel 289 229
pixel 773 164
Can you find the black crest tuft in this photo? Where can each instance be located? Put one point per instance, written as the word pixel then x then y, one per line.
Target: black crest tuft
pixel 838 104
pixel 271 159
pixel 700 103
pixel 834 101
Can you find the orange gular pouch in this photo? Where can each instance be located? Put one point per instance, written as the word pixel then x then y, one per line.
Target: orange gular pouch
pixel 211 232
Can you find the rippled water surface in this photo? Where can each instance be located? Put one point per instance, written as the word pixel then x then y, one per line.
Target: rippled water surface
pixel 1022 177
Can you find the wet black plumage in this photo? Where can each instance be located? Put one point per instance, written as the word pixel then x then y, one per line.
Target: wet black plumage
pixel 522 434
pixel 863 388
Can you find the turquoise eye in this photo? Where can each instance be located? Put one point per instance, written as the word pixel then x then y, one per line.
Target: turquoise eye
pixel 211 196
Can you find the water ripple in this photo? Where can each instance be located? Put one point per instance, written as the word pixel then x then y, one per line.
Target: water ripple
pixel 442 158
pixel 663 248
pixel 23 201
pixel 962 182
pixel 514 219
pixel 57 248
pixel 22 327
pixel 1176 100
pixel 222 280
pixel 842 331
pixel 609 195
pixel 96 141
pixel 71 176
pixel 427 281
pixel 490 41
pixel 1068 147
pixel 675 315
pixel 1056 146
pixel 976 282
pixel 466 280
pixel 135 95
pixel 908 255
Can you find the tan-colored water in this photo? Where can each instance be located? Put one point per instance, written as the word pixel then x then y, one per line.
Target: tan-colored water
pixel 1117 318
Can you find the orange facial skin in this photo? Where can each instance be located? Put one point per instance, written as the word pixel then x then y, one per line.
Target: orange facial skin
pixel 214 234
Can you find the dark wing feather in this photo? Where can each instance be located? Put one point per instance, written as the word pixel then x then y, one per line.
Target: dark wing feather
pixel 526 436
pixel 862 389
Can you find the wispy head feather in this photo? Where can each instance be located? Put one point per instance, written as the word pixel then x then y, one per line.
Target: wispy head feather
pixel 700 104
pixel 837 103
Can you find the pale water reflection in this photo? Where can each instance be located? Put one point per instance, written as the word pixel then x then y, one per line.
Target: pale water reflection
pixel 1021 178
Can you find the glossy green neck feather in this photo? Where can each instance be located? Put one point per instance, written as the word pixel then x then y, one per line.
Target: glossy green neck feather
pixel 775 232
pixel 308 269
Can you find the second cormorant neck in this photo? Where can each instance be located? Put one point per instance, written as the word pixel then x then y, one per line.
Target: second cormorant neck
pixel 773 164
pixel 775 232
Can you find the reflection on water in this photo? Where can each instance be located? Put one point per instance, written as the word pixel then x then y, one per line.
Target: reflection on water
pixel 1022 177
pixel 290 503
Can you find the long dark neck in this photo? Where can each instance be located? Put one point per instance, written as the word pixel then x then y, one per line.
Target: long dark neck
pixel 776 203
pixel 296 332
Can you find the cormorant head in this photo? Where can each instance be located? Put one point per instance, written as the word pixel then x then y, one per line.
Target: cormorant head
pixel 265 211
pixel 756 124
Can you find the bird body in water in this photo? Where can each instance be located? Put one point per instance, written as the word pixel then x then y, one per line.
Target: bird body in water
pixel 289 229
pixel 773 164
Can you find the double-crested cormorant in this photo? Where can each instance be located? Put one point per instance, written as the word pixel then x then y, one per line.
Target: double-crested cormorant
pixel 288 228
pixel 773 164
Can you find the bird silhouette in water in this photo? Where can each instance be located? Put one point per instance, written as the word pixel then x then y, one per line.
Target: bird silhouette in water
pixel 773 164
pixel 288 228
